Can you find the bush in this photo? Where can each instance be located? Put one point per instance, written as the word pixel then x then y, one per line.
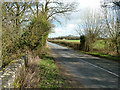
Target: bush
pixel 33 38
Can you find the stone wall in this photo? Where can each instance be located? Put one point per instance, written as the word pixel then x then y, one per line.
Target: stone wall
pixel 9 74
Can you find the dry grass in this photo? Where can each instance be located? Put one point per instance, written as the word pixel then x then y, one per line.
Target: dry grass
pixel 40 73
pixel 29 77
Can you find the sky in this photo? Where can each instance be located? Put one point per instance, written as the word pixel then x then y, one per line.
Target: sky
pixel 69 26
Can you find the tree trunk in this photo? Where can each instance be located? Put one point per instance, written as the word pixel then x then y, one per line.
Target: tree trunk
pixel 37 9
pixel 117 47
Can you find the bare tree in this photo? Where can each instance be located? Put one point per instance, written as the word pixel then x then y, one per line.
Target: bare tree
pixel 112 20
pixel 91 27
pixel 111 17
pixel 117 5
pixel 51 8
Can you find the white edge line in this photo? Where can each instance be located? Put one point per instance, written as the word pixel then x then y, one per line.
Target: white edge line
pixel 102 68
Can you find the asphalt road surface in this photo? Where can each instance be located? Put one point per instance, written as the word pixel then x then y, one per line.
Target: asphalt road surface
pixel 92 72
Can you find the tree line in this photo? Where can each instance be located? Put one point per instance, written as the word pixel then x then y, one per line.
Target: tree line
pixel 69 37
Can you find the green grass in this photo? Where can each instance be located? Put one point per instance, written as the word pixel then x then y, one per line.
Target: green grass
pixel 50 77
pixel 103 55
pixel 99 44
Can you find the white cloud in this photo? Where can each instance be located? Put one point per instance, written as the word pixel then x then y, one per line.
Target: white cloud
pixel 69 26
pixel 89 3
pixel 57 32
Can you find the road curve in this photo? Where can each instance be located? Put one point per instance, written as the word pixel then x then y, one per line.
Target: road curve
pixel 92 72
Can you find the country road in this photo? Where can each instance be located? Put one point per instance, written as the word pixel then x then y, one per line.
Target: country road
pixel 92 72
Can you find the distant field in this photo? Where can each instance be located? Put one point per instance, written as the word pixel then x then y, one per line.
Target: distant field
pixel 69 40
pixel 99 44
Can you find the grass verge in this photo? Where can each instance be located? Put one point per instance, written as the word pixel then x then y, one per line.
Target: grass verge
pixel 102 55
pixel 50 77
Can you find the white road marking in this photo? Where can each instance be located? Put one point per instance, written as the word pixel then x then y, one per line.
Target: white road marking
pixel 102 69
pixel 98 67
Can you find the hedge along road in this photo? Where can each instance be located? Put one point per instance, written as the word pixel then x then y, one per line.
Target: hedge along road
pixel 92 72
